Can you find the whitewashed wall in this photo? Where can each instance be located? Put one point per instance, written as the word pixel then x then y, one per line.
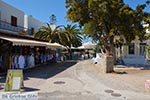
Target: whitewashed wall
pixel 6 11
pixel 31 22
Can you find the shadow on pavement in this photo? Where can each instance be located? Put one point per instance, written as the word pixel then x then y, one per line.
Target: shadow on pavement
pixel 120 63
pixel 27 89
pixel 49 70
pixel 120 72
pixel 141 66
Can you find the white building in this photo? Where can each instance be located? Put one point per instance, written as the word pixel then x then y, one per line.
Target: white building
pixel 32 23
pixel 135 53
pixel 14 21
pixel 11 18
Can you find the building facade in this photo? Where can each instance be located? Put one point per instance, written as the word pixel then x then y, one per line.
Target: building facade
pixel 14 21
pixel 15 28
pixel 135 53
pixel 32 23
pixel 11 18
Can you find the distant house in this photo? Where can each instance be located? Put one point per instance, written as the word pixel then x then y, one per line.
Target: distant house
pixel 135 52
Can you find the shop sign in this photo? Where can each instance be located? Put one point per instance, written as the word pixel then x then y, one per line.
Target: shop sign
pixel 14 80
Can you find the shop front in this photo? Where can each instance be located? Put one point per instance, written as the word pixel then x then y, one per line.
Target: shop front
pixel 19 53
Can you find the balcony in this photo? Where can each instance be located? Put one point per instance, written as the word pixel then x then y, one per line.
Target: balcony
pixel 17 29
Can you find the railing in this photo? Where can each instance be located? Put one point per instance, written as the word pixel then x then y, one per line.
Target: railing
pixel 7 26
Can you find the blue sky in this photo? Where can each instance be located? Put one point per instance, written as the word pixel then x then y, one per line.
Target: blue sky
pixel 42 9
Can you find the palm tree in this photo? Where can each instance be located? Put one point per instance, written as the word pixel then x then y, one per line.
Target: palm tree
pixel 66 36
pixel 73 37
pixel 49 34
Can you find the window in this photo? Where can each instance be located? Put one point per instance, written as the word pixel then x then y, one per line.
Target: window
pixel 13 21
pixel 142 48
pixel 131 48
pixel 32 30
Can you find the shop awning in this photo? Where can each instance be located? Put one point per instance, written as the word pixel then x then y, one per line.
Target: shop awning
pixel 55 45
pixel 23 42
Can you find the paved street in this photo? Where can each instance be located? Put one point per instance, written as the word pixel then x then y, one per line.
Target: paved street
pixel 82 80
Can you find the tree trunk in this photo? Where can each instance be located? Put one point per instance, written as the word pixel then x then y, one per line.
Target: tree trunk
pixel 112 49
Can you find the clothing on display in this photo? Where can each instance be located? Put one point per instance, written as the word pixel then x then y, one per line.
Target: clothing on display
pixel 45 57
pixel 31 61
pixel 21 61
pixel 42 58
pixel 1 65
pixel 16 61
pixel 28 58
pixel 13 62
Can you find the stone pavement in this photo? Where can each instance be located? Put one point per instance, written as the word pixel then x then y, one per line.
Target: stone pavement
pixel 73 80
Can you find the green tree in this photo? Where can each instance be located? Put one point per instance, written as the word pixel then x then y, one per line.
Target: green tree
pixel 73 36
pixel 49 34
pixel 104 20
pixel 65 35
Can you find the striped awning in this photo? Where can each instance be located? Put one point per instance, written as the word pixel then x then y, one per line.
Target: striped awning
pixel 27 42
pixel 23 42
pixel 55 45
